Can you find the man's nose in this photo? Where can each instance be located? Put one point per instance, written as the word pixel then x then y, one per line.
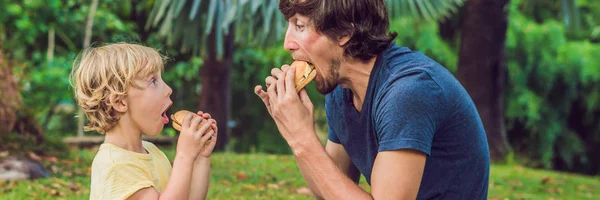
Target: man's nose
pixel 290 41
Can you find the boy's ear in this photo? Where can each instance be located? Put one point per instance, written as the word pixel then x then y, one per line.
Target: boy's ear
pixel 118 104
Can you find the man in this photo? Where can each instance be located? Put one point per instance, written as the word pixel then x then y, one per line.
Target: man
pixel 394 115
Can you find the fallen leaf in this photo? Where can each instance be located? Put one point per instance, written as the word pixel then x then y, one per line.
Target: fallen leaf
pixel 548 180
pixel 241 176
pixel 303 191
pixel 56 185
pixel 550 190
pixel 559 190
pixel 273 186
pixel 34 156
pixel 225 182
pixel 281 183
pixel 68 174
pixel 51 159
pixel 249 187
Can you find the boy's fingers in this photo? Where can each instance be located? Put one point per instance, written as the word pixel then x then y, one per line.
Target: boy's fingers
pixel 205 126
pixel 195 122
pixel 207 136
pixel 187 120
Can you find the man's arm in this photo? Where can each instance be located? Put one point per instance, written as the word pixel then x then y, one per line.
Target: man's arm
pixel 340 157
pixel 325 179
pixel 396 174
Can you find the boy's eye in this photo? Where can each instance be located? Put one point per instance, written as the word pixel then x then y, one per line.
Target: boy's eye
pixel 299 27
pixel 153 81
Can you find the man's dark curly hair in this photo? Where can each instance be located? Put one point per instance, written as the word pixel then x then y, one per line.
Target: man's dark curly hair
pixel 365 20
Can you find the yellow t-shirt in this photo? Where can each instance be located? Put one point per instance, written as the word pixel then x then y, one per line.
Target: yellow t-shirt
pixel 118 173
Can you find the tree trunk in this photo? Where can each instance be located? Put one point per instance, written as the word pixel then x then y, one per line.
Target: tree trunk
pixel 10 99
pixel 86 43
pixel 215 97
pixel 481 67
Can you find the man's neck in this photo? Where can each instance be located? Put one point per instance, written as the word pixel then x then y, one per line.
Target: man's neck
pixel 124 135
pixel 354 75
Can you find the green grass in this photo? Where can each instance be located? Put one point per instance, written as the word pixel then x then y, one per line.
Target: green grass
pixel 262 176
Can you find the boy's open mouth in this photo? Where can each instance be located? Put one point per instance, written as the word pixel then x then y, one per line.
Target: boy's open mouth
pixel 164 117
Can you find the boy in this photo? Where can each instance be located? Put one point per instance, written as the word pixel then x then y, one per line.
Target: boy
pixel 120 89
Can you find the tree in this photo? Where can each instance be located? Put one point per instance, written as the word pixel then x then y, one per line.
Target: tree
pixel 10 99
pixel 213 28
pixel 481 67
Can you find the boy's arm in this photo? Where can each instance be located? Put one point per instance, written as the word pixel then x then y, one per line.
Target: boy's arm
pixel 200 178
pixel 201 173
pixel 189 146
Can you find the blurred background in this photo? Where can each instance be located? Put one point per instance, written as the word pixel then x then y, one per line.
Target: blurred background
pixel 531 66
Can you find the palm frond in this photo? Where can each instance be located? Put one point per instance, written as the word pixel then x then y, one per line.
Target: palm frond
pixel 429 10
pixel 256 22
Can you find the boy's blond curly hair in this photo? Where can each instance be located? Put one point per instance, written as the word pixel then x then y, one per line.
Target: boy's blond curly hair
pixel 105 72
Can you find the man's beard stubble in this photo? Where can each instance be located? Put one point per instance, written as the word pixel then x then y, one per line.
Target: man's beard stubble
pixel 327 85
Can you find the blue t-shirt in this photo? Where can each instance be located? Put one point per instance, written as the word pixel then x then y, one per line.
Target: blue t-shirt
pixel 412 102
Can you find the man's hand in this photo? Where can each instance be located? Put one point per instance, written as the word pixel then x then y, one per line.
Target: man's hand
pixel 292 113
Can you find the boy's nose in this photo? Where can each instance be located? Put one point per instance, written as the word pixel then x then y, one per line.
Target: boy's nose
pixel 169 90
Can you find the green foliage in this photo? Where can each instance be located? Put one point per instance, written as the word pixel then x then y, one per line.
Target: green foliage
pixel 424 37
pixel 551 78
pixel 24 35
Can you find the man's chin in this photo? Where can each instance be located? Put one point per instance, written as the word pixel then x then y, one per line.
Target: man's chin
pixel 324 90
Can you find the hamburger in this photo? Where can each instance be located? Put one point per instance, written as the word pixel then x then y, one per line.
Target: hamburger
pixel 178 120
pixel 305 73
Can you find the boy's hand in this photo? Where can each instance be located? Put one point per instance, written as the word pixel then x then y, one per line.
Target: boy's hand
pixel 191 141
pixel 209 145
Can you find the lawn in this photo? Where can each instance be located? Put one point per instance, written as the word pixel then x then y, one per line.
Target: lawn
pixel 263 176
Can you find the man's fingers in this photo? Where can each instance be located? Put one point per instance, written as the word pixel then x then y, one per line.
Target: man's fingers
pixel 283 67
pixel 262 94
pixel 270 80
pixel 305 99
pixel 290 86
pixel 281 86
pixel 276 72
pixel 272 95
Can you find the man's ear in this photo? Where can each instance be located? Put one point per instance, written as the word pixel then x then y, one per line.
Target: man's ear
pixel 118 104
pixel 343 40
